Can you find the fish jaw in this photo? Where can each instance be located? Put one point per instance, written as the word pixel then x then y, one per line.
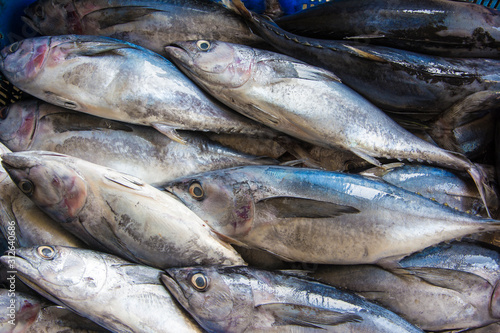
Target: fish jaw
pixel 55 188
pixel 22 61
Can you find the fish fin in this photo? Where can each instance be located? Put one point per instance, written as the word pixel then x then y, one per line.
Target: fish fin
pixel 307 72
pixel 290 207
pixel 366 157
pixel 130 182
pixel 95 48
pixel 441 129
pixel 262 116
pixel 364 54
pixel 108 17
pixel 298 70
pixel 238 7
pixel 169 131
pixel 374 36
pixel 230 240
pixel 481 180
pixel 448 278
pixel 307 316
pixel 378 172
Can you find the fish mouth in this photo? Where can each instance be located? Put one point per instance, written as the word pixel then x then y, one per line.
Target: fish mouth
pixel 179 55
pixel 174 288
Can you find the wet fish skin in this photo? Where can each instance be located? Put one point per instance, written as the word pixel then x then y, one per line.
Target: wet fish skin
pixel 457 282
pixel 445 28
pixel 136 150
pixel 112 292
pixel 337 117
pixel 446 187
pixel 117 80
pixel 245 299
pixel 115 212
pixel 23 222
pixel 392 79
pixel 148 23
pixel 57 319
pixel 315 216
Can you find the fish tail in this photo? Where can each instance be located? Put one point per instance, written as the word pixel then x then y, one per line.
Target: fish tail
pixel 481 180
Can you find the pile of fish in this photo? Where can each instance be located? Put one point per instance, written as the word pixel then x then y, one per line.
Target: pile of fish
pixel 192 166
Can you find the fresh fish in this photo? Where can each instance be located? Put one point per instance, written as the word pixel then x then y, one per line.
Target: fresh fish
pixel 321 217
pixel 244 299
pixel 57 319
pixel 148 23
pixel 18 311
pixel 306 102
pixel 440 27
pixel 444 186
pixel 112 292
pixel 117 80
pixel 22 223
pixel 392 79
pixel 136 150
pixel 116 212
pixel 447 287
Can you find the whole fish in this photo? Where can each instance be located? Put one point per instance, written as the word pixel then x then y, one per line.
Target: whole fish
pixel 244 299
pixel 22 223
pixel 321 217
pixel 117 80
pixel 306 102
pixel 457 282
pixel 136 150
pixel 440 27
pixel 392 79
pixel 112 292
pixel 148 23
pixel 444 186
pixel 116 212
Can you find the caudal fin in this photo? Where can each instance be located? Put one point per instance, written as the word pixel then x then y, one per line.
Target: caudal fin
pixel 481 180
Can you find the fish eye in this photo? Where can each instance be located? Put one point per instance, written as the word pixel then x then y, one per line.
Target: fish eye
pixel 203 45
pixel 46 252
pixel 199 281
pixel 39 11
pixel 196 191
pixel 26 186
pixel 14 47
pixel 4 112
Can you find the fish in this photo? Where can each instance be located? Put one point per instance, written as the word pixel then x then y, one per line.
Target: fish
pixel 57 319
pixel 245 299
pixel 149 23
pixel 22 223
pixel 438 27
pixel 444 186
pixel 120 81
pixel 116 213
pixel 112 292
pixel 322 217
pixel 392 79
pixel 139 151
pixel 308 103
pixel 447 287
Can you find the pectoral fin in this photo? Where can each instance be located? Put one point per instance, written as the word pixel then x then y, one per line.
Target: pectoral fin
pixel 169 131
pixel 290 207
pixel 109 17
pixel 301 315
pixel 93 48
pixel 448 278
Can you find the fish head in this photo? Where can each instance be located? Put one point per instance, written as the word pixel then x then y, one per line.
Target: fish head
pixel 51 17
pixel 17 124
pixel 216 300
pixel 220 198
pixel 59 272
pixel 214 63
pixel 54 187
